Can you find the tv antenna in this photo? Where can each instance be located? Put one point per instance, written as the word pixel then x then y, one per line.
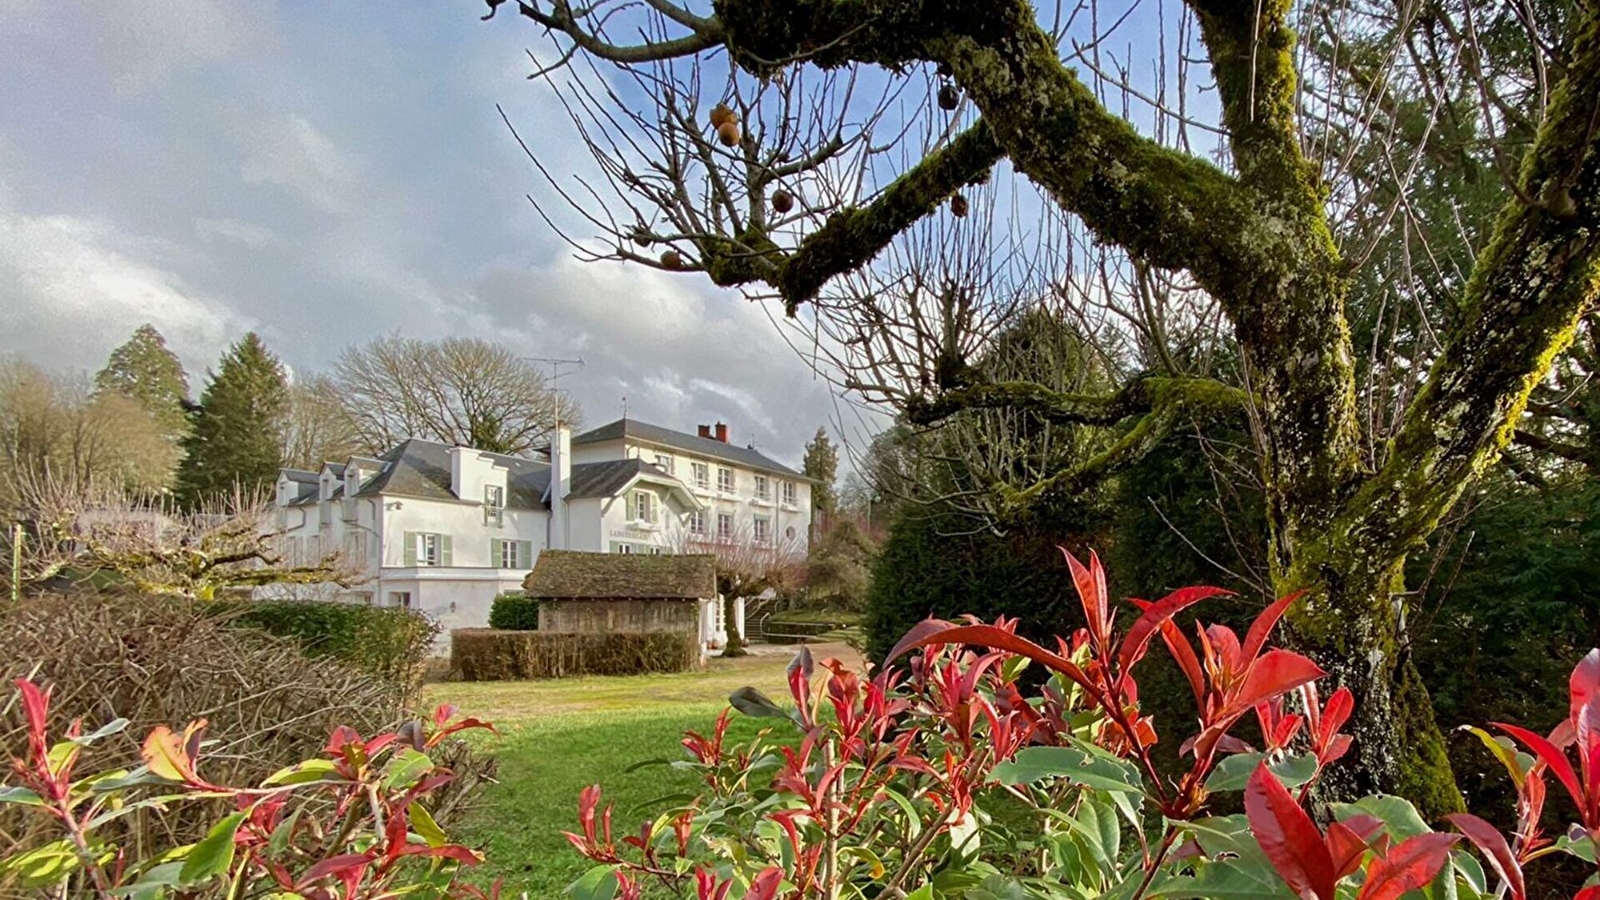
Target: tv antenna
pixel 556 374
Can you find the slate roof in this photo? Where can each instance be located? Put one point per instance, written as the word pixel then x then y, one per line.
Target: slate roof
pixel 633 429
pixel 300 476
pixel 418 468
pixel 604 479
pixel 572 575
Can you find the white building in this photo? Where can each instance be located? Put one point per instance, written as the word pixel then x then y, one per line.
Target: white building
pixel 444 529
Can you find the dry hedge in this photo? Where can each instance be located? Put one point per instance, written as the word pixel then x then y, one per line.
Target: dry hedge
pixel 488 654
pixel 155 661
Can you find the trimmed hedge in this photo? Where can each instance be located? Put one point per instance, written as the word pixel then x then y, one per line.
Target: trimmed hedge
pixel 488 654
pixel 514 611
pixel 388 642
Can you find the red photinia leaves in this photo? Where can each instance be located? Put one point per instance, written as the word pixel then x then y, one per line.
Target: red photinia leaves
pixel 1313 864
pixel 36 709
pixel 1090 581
pixel 707 752
pixel 1409 865
pixel 1289 838
pixel 765 885
pixel 595 842
pixel 1496 851
pixel 1325 721
pixel 1137 641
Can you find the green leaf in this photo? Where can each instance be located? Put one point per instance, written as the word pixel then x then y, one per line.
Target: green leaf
pixel 303 772
pixel 405 768
pixel 42 866
pixel 599 883
pixel 278 841
pixel 1398 814
pixel 214 854
pixel 1225 880
pixel 115 726
pixel 1234 771
pixel 20 795
pixel 1034 764
pixel 922 893
pixel 157 882
pixel 752 702
pixel 423 824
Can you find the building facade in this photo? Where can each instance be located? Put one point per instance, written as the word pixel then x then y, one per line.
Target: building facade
pixel 444 529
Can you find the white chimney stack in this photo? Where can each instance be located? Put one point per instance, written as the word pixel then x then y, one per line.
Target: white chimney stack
pixel 560 486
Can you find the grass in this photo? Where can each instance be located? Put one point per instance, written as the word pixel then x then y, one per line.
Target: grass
pixel 558 736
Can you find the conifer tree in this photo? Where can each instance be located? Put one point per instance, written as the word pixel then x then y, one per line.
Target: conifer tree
pixel 143 369
pixel 237 433
pixel 822 463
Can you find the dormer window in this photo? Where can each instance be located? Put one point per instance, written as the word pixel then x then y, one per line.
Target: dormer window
pixel 494 504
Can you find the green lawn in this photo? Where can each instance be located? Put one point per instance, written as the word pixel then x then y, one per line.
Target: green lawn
pixel 558 736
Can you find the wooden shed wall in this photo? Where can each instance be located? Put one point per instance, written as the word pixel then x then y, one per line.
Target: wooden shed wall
pixel 638 616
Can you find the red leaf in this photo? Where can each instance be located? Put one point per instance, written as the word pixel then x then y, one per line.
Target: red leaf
pixel 1276 672
pixel 1495 849
pixel 1261 628
pixel 35 704
pixel 1288 837
pixel 997 638
pixel 335 866
pixel 1589 893
pixel 1144 628
pixel 1336 713
pixel 1091 585
pixel 1585 689
pixel 1345 847
pixel 1409 866
pixel 1183 655
pixel 765 885
pixel 1553 758
pixel 916 637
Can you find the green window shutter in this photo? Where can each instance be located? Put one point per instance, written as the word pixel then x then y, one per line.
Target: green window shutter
pixel 444 550
pixel 494 553
pixel 411 548
pixel 633 506
pixel 524 554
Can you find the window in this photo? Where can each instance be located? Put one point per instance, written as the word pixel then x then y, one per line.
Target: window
pixel 427 549
pixel 702 475
pixel 664 463
pixel 512 554
pixel 724 526
pixel 494 504
pixel 697 522
pixel 724 480
pixel 788 493
pixel 763 529
pixel 624 549
pixel 355 548
pixel 763 488
pixel 642 507
pixel 401 599
pixel 788 533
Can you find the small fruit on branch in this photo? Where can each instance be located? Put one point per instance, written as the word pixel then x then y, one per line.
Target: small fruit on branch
pixel 671 259
pixel 949 97
pixel 782 201
pixel 722 115
pixel 958 206
pixel 728 133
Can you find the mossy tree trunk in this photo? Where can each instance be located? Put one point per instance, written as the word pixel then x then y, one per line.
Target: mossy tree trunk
pixel 1256 238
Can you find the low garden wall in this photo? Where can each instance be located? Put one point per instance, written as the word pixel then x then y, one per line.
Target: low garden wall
pixel 488 654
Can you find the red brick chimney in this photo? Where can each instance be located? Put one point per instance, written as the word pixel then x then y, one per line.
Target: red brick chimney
pixel 705 431
pixel 722 432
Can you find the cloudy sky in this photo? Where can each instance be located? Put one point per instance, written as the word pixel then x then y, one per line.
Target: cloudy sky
pixel 324 173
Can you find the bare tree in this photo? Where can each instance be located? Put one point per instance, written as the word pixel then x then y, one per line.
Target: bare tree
pixel 1237 208
pixel 459 391
pixel 57 428
pixel 320 427
pixel 748 565
pixel 152 545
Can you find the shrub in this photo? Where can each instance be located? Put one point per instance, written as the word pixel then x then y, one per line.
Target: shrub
pixel 947 781
pixel 156 660
pixel 388 642
pixel 514 611
pixel 354 821
pixel 485 654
